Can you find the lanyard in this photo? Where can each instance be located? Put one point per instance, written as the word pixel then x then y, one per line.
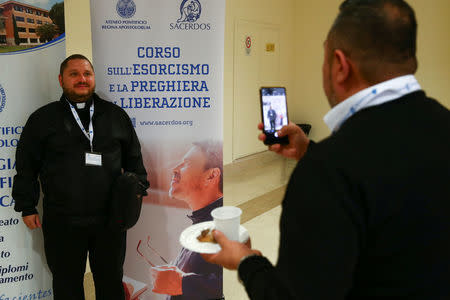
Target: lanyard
pixel 378 94
pixel 89 135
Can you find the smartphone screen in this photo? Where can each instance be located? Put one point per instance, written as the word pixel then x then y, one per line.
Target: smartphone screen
pixel 274 113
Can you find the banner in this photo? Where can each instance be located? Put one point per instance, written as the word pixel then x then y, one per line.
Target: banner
pixel 32 45
pixel 162 62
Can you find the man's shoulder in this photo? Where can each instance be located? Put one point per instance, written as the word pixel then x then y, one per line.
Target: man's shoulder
pixel 326 150
pixel 412 111
pixel 102 102
pixel 108 105
pixel 389 130
pixel 48 108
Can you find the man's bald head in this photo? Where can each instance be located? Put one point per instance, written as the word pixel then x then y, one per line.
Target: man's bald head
pixel 379 36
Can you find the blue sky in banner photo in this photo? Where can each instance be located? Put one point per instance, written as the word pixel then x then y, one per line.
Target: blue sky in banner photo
pixel 45 4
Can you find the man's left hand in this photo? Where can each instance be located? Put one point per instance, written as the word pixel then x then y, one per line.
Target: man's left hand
pixel 231 254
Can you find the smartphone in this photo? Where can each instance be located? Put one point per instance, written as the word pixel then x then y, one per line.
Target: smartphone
pixel 274 113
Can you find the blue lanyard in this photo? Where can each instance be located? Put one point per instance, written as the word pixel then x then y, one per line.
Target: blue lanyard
pixel 410 86
pixel 89 134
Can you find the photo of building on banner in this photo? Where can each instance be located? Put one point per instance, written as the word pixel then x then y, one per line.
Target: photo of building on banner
pixel 162 62
pixel 23 25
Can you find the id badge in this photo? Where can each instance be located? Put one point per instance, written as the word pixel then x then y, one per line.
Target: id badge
pixel 93 159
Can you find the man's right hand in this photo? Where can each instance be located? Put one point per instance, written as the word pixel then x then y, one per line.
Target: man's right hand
pixel 231 252
pixel 32 221
pixel 298 141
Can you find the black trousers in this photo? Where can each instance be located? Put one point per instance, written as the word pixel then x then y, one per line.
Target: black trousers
pixel 272 125
pixel 66 249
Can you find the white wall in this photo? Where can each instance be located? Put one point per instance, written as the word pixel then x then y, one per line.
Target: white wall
pixel 313 20
pixel 278 15
pixel 78 27
pixel 433 49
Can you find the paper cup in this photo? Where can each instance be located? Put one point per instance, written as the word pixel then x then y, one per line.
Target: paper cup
pixel 227 219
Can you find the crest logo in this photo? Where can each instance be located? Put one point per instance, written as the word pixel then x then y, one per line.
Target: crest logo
pixel 126 8
pixel 190 11
pixel 2 98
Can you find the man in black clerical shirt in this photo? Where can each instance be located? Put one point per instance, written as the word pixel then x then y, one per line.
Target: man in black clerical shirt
pixel 77 147
pixel 272 116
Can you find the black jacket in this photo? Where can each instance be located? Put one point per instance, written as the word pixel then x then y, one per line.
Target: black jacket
pixel 52 147
pixel 366 214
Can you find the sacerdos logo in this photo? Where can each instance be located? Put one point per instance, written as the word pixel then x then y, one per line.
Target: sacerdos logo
pixel 190 12
pixel 126 8
pixel 2 98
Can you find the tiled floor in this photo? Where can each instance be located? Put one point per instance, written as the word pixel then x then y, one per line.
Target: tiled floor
pixel 252 177
pixel 265 237
pixel 256 186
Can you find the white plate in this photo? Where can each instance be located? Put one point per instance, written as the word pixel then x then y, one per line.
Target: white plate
pixel 188 238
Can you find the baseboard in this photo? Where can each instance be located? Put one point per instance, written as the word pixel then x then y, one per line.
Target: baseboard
pixel 259 205
pixel 257 160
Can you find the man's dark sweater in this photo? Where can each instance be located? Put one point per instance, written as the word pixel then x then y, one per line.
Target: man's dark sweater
pixel 366 214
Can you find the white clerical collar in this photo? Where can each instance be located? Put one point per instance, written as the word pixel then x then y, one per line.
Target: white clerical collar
pixel 375 95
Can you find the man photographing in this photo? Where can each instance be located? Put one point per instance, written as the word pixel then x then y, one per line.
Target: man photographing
pixel 366 213
pixel 77 147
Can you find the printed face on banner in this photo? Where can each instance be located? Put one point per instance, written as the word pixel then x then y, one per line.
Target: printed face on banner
pixel 197 178
pixel 78 80
pixel 188 175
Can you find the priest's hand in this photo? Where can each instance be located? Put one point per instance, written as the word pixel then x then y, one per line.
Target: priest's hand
pixel 32 221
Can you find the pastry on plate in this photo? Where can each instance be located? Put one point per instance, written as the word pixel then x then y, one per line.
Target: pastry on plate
pixel 206 236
